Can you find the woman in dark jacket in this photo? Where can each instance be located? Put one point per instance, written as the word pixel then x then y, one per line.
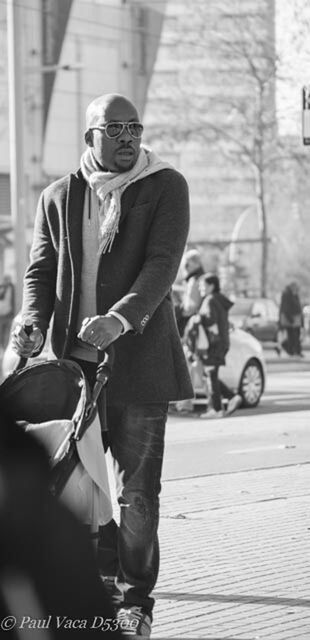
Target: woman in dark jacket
pixel 214 319
pixel 207 340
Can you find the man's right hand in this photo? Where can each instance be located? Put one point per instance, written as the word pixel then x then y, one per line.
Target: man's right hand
pixel 26 345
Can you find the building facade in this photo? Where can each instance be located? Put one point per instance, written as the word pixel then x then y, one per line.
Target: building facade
pixel 70 51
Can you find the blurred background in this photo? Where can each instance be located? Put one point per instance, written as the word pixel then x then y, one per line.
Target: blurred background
pixel 218 85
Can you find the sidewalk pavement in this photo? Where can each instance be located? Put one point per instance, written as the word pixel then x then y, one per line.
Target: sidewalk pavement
pixel 235 556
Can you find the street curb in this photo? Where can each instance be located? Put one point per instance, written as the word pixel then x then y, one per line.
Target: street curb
pixel 233 472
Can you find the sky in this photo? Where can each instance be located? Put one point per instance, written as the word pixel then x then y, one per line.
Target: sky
pixel 293 48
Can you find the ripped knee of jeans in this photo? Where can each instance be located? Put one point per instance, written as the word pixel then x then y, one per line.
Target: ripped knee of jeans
pixel 142 506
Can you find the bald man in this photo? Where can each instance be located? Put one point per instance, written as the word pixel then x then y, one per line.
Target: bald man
pixel 108 241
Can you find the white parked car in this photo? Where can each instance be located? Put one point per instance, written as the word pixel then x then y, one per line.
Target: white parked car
pixel 243 373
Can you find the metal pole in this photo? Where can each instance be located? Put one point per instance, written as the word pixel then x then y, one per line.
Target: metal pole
pixel 79 118
pixel 17 180
pixel 235 234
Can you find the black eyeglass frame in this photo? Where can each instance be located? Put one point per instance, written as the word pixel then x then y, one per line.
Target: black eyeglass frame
pixel 125 125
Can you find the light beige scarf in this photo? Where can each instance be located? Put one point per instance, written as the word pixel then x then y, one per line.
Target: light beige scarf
pixel 109 187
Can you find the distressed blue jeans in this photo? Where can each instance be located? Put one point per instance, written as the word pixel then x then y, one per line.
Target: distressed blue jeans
pixel 136 436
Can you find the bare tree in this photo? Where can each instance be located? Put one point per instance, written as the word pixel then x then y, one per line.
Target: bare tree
pixel 241 119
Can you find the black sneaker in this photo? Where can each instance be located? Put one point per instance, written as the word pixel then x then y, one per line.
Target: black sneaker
pixel 233 404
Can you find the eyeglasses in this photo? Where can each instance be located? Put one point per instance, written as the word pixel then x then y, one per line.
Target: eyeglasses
pixel 115 129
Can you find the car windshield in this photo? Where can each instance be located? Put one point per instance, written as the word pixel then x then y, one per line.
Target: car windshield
pixel 241 308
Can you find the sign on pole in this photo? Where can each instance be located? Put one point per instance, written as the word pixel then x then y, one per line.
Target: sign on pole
pixel 306 114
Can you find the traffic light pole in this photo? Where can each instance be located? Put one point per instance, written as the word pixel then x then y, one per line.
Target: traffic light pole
pixel 17 178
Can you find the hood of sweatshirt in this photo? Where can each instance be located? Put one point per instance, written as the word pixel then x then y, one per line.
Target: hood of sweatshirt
pixel 223 300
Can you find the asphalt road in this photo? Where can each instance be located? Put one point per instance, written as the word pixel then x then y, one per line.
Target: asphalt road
pixel 276 433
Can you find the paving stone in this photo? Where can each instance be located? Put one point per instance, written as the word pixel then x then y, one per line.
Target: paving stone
pixel 235 557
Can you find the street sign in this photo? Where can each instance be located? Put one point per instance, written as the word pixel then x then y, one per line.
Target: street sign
pixel 306 114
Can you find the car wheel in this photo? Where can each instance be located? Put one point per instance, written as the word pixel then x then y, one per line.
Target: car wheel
pixel 251 384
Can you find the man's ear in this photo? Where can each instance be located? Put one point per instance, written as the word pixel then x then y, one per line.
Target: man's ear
pixel 89 138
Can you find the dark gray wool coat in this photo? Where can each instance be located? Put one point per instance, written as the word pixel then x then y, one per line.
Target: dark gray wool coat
pixel 134 279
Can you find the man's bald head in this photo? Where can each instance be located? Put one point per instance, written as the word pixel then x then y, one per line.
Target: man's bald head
pixel 103 109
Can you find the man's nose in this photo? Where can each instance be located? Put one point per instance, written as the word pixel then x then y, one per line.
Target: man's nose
pixel 125 135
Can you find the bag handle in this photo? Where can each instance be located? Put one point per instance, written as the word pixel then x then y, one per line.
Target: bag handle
pixel 28 328
pixel 103 373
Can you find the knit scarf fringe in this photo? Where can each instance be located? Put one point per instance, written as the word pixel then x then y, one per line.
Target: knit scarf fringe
pixel 109 187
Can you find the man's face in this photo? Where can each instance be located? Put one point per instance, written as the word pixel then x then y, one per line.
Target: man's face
pixel 191 265
pixel 117 154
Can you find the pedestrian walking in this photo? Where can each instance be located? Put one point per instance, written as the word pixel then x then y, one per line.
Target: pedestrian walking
pixel 193 269
pixel 189 305
pixel 291 319
pixel 207 337
pixel 108 241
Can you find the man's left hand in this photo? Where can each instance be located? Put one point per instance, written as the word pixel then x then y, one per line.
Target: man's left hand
pixel 100 331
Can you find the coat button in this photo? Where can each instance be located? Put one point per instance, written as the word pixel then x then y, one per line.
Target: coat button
pixel 145 320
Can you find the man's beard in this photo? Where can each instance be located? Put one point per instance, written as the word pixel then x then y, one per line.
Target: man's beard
pixel 121 169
